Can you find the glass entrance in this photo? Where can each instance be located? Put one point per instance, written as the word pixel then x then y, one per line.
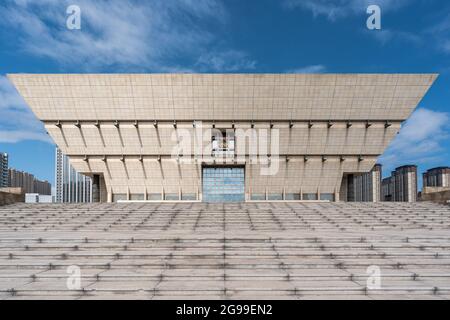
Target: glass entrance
pixel 223 184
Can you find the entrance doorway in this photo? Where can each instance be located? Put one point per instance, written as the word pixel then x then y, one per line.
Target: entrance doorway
pixel 223 184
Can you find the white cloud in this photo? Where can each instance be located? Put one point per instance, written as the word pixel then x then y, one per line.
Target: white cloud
pixel 126 34
pixel 335 9
pixel 316 68
pixel 419 141
pixel 225 60
pixel 439 33
pixel 386 35
pixel 17 122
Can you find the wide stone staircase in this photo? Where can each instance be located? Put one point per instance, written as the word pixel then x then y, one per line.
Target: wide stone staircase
pixel 293 250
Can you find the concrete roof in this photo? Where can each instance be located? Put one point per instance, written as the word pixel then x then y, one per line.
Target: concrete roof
pixel 222 96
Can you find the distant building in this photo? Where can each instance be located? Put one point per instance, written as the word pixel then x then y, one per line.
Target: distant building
pixel 364 187
pixel 28 183
pixel 436 185
pixel 401 186
pixel 71 186
pixel 437 177
pixel 3 170
pixel 37 198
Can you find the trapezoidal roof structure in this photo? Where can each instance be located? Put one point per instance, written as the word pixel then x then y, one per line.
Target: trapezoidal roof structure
pixel 122 127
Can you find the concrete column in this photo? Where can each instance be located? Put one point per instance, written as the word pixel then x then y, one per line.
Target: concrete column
pixel 336 195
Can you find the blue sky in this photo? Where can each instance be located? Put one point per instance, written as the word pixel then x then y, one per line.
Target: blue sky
pixel 277 36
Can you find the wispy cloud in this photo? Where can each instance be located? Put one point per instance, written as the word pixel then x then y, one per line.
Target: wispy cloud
pixel 440 33
pixel 420 141
pixel 126 34
pixel 17 122
pixel 388 35
pixel 336 9
pixel 315 68
pixel 228 60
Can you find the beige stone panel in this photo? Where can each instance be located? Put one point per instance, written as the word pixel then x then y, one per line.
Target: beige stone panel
pixel 94 142
pixel 262 108
pixel 117 102
pixel 154 172
pixel 364 91
pixel 415 79
pixel 380 108
pixel 223 109
pixel 283 91
pixel 118 169
pixel 142 91
pixel 151 139
pixel 377 138
pixel 80 165
pixel 360 108
pixel 163 109
pixel 320 79
pixel 335 139
pixel 103 109
pixel 261 79
pixel 341 108
pixel 131 139
pixel 298 137
pixel 123 108
pixel 136 170
pixel 74 139
pixel 317 136
pixel 144 108
pixel 162 92
pixel 243 107
pixel 55 134
pixel 113 139
pixel 302 108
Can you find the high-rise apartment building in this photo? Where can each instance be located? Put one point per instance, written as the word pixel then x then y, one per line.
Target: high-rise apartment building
pixel 401 185
pixel 437 177
pixel 28 183
pixel 3 170
pixel 71 186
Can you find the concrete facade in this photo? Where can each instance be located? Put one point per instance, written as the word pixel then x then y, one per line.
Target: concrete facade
pixel 122 129
pixel 401 186
pixel 27 181
pixel 437 177
pixel 364 187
